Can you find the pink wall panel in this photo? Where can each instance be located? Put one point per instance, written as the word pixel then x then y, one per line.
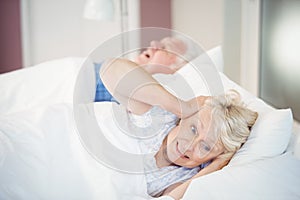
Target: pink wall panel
pixel 10 36
pixel 155 13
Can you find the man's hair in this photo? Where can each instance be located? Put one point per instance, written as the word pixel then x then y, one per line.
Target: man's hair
pixel 192 49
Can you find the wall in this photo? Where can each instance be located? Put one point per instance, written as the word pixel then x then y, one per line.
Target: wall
pixel 10 37
pixel 200 19
pixel 232 39
pixel 231 23
pixel 56 29
pixel 279 56
pixel 241 42
pixel 154 13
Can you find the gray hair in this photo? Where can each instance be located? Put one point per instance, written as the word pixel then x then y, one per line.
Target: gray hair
pixel 232 121
pixel 192 49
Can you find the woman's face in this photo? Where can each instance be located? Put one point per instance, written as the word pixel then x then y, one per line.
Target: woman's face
pixel 193 141
pixel 162 54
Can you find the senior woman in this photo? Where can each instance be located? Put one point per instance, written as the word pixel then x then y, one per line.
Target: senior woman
pixel 199 136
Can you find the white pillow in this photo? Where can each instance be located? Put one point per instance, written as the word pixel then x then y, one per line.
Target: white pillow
pixel 294 144
pixel 198 77
pixel 269 137
pixel 216 57
pixel 273 178
pixel 43 84
pixel 270 134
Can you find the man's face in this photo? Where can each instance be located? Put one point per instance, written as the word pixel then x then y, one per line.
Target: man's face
pixel 162 54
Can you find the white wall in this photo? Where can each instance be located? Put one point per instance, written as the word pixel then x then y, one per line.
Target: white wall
pixel 241 42
pixel 232 39
pixel 234 24
pixel 200 19
pixel 56 28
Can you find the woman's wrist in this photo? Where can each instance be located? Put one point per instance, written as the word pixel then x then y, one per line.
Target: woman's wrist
pixel 188 108
pixel 191 106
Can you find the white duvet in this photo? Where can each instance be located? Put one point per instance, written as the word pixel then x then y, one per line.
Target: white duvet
pixel 44 159
pixel 41 155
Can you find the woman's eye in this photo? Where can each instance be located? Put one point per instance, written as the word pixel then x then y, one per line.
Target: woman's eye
pixel 194 130
pixel 205 147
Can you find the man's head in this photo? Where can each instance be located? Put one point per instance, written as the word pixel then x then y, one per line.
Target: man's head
pixel 164 56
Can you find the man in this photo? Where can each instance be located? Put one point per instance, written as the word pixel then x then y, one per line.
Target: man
pixel 165 56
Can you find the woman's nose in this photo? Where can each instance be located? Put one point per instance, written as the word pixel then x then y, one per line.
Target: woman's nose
pixel 193 147
pixel 190 146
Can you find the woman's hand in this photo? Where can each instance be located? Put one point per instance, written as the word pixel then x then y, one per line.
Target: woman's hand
pixel 192 106
pixel 178 191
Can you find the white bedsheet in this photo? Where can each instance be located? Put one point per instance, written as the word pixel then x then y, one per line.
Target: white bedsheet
pixel 44 159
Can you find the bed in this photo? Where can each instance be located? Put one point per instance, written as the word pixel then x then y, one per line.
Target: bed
pixel 43 157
